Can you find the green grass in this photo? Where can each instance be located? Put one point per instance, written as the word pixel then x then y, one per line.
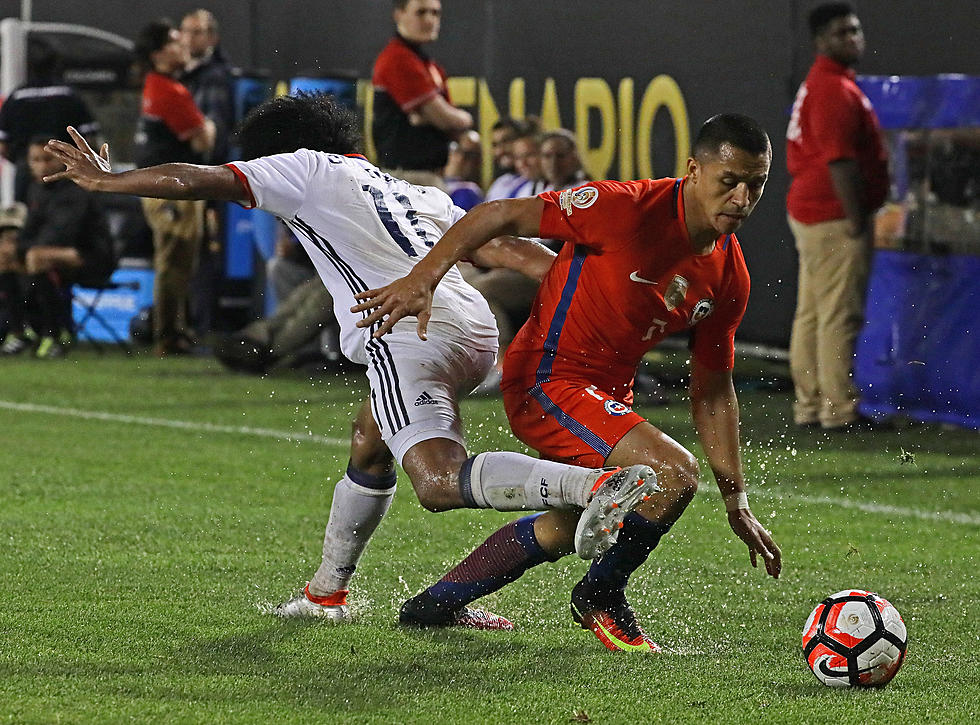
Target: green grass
pixel 135 561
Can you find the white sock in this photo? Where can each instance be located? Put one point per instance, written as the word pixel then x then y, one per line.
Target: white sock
pixel 355 513
pixel 515 482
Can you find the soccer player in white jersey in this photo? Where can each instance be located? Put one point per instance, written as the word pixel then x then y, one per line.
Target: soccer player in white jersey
pixel 363 229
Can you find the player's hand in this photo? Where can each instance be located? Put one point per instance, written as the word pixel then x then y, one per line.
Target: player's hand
pixel 82 165
pixel 759 541
pixel 402 298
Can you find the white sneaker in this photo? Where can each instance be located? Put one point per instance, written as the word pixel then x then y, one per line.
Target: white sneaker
pixel 332 607
pixel 615 492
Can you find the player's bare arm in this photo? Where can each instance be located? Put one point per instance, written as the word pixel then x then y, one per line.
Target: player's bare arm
pixel 411 295
pixel 92 172
pixel 527 256
pixel 714 408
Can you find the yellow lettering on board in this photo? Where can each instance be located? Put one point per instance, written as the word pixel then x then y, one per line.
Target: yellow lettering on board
pixel 595 93
pixel 365 95
pixel 489 115
pixel 550 116
pixel 662 91
pixel 626 129
pixel 517 96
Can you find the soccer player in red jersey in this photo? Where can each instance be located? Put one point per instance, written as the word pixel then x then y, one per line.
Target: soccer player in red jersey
pixel 642 260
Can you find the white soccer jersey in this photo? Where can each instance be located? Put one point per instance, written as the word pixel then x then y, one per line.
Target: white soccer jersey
pixel 363 229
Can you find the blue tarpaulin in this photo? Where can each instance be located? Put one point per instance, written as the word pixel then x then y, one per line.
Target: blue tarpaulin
pixel 945 101
pixel 919 352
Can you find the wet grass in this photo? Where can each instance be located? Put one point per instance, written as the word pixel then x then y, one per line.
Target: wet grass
pixel 136 560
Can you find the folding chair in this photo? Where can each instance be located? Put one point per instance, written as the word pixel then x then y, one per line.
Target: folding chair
pixel 91 312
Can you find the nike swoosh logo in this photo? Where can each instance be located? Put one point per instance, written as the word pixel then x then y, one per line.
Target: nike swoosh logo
pixel 637 278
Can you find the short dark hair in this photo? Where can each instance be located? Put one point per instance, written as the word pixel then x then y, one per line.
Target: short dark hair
pixel 399 4
pixel 508 122
pixel 151 38
pixel 740 131
pixel 821 16
pixel 315 121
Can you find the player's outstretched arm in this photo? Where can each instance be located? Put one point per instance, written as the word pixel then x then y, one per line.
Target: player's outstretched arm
pixel 92 171
pixel 527 256
pixel 411 295
pixel 714 408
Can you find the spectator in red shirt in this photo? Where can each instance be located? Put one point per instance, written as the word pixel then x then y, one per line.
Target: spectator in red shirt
pixel 171 129
pixel 414 120
pixel 839 170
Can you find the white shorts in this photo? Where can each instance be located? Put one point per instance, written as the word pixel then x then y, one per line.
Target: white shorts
pixel 416 386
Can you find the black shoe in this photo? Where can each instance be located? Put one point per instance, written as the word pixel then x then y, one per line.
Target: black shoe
pixel 609 617
pixel 424 611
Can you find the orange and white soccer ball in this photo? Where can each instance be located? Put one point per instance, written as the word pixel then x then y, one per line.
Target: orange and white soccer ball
pixel 854 638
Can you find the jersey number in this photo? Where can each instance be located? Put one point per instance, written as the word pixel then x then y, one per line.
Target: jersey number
pixel 391 225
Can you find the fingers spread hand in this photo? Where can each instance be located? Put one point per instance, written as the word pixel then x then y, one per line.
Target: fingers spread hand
pixel 80 141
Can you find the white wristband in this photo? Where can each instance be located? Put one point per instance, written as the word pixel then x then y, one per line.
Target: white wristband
pixel 736 501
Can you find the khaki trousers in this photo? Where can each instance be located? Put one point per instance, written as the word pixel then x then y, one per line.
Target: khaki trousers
pixel 829 313
pixel 178 228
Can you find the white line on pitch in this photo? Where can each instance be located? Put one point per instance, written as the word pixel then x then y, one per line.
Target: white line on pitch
pixel 953 517
pixel 179 424
pixel 875 508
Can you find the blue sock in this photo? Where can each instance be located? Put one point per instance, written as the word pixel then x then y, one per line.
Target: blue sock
pixel 502 558
pixel 638 537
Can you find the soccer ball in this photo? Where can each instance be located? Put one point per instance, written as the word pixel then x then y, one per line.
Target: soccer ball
pixel 854 639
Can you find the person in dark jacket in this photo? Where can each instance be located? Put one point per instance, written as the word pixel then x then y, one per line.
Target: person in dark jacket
pixel 65 240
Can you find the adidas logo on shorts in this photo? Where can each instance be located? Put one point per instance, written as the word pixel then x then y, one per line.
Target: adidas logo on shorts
pixel 425 399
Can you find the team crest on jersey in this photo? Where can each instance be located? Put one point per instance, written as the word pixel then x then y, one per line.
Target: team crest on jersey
pixel 614 407
pixel 582 198
pixel 676 292
pixel 701 310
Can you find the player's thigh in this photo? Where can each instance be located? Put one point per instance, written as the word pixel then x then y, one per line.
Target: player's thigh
pixel 569 421
pixel 676 468
pixel 416 385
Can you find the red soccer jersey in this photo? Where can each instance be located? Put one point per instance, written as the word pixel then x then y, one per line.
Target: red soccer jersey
pixel 832 119
pixel 625 279
pixel 407 76
pixel 169 101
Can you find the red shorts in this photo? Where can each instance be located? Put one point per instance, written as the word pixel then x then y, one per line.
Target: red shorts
pixel 568 421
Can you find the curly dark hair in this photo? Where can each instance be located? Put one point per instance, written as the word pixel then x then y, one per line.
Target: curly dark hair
pixel 314 121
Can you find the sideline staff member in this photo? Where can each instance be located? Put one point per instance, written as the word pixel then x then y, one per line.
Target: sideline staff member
pixel 414 120
pixel 839 170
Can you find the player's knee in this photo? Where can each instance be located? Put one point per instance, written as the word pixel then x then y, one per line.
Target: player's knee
pixel 368 452
pixel 434 494
pixel 681 475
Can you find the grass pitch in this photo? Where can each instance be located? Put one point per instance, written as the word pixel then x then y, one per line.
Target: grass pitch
pixel 151 511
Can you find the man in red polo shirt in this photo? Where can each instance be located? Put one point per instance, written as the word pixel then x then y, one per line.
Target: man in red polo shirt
pixel 839 171
pixel 414 120
pixel 171 129
pixel 643 259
